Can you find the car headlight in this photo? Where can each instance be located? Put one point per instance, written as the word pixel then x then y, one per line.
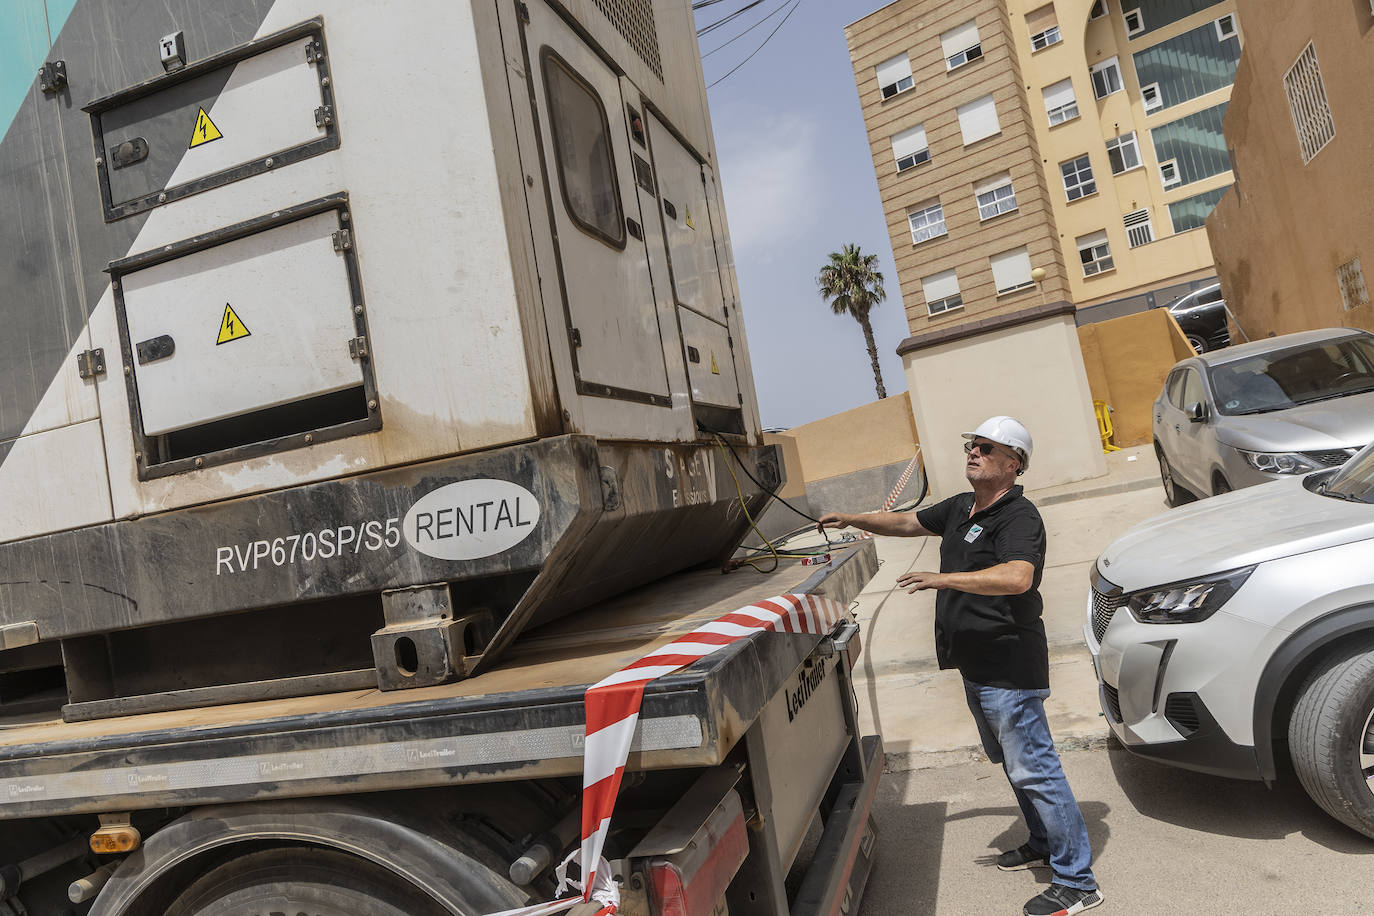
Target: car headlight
pixel 1187 602
pixel 1279 462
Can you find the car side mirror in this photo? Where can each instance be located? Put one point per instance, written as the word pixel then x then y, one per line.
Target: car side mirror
pixel 1197 412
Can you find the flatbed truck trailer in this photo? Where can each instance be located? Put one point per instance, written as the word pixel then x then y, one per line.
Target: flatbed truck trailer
pixel 372 381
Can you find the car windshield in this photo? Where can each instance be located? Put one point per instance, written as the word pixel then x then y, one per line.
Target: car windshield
pixel 1298 375
pixel 1354 481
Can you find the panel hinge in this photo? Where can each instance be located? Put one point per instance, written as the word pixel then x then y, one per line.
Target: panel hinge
pixel 52 77
pixel 342 239
pixel 576 336
pixel 524 11
pixel 324 116
pixel 741 397
pixel 91 363
pixel 357 348
pixel 314 51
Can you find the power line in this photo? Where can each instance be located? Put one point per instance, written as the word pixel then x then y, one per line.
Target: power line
pixel 706 30
pixel 782 6
pixel 760 47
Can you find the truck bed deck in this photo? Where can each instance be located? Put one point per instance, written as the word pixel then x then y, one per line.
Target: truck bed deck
pixel 522 719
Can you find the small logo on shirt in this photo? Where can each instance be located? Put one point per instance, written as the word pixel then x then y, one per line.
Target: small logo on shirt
pixel 973 534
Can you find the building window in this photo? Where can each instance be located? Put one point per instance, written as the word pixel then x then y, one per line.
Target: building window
pixel 1351 278
pixel 1168 174
pixel 995 196
pixel 1123 153
pixel 1138 229
pixel 1226 27
pixel 1060 103
pixel 1042 40
pixel 1095 253
pixel 1135 22
pixel 1149 97
pixel 1099 9
pixel 961 45
pixel 978 120
pixel 927 222
pixel 942 292
pixel 1307 100
pixel 1011 271
pixel 1186 66
pixel 894 75
pixel 1078 177
pixel 1196 143
pixel 909 147
pixel 1192 212
pixel 1106 78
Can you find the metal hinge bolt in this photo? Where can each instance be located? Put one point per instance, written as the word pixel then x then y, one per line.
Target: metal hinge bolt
pixel 52 76
pixel 524 11
pixel 357 348
pixel 343 239
pixel 91 363
pixel 324 116
pixel 576 337
pixel 314 51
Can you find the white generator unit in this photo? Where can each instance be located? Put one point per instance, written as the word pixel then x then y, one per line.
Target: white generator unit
pixel 341 342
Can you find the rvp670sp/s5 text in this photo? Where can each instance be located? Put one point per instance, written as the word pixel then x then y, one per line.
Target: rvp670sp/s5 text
pixel 325 544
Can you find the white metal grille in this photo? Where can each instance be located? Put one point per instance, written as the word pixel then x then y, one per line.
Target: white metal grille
pixel 1139 231
pixel 1353 290
pixel 1307 100
pixel 634 20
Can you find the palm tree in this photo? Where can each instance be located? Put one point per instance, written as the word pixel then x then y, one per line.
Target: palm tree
pixel 854 283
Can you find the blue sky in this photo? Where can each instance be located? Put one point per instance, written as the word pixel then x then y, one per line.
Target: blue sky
pixel 798 182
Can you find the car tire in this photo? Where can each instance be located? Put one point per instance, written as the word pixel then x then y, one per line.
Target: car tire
pixel 1331 739
pixel 1174 495
pixel 1197 342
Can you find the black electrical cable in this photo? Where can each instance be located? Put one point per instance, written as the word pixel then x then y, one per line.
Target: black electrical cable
pixel 759 48
pixel 780 8
pixel 707 29
pixel 750 475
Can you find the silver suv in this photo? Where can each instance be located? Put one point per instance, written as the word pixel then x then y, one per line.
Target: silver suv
pixel 1232 631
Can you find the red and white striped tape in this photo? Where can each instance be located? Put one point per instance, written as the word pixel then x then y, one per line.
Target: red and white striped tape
pixel 613 712
pixel 897 490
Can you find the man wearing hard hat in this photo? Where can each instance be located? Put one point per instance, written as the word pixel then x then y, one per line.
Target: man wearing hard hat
pixel 987 624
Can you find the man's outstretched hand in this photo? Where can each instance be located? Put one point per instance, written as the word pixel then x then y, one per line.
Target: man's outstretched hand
pixel 920 581
pixel 832 520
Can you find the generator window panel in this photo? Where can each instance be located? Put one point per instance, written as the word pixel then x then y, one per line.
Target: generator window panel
pixel 260 106
pixel 710 361
pixel 248 336
pixel 686 224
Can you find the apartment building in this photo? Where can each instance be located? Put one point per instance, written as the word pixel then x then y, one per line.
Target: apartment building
pixel 1041 164
pixel 1291 237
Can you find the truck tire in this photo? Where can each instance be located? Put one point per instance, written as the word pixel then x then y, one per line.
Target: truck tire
pixel 302 881
pixel 1331 739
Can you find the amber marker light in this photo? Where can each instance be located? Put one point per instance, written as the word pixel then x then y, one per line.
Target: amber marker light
pixel 115 840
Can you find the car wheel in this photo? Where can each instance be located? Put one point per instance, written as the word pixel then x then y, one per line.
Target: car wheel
pixel 1174 495
pixel 1197 342
pixel 1331 739
pixel 1220 485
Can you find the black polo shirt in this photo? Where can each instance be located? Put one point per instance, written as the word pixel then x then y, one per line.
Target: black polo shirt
pixel 994 640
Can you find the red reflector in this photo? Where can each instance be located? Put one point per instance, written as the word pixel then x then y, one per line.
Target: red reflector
pixel 690 883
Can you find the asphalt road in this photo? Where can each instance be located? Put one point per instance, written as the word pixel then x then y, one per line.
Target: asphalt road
pixel 1165 841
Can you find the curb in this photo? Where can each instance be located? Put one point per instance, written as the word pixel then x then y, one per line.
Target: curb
pixel 902 762
pixel 1144 483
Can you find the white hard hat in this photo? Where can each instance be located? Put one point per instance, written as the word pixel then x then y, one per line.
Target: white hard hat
pixel 1006 431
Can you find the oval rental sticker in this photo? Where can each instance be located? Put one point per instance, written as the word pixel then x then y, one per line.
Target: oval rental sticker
pixel 471 519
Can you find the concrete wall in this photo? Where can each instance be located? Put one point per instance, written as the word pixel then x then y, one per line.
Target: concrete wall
pixel 1126 360
pixel 870 436
pixel 1285 227
pixel 1032 371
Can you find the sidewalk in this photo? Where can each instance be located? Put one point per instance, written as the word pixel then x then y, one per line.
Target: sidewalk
pixel 919 710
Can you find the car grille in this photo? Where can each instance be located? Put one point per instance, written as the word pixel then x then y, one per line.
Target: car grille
pixel 1113 701
pixel 1103 609
pixel 1331 457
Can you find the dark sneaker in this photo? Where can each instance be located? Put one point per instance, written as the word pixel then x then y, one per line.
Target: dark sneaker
pixel 1023 856
pixel 1058 900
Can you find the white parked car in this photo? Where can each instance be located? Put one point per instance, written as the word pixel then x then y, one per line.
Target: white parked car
pixel 1235 630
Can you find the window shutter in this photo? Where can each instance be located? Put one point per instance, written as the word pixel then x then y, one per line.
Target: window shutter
pixel 1038 20
pixel 959 38
pixel 1091 241
pixel 1011 269
pixel 940 286
pixel 978 119
pixel 996 181
pixel 893 69
pixel 909 142
pixel 1059 95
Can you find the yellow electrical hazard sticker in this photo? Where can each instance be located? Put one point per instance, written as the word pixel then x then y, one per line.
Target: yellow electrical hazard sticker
pixel 715 370
pixel 205 132
pixel 230 327
pixel 689 218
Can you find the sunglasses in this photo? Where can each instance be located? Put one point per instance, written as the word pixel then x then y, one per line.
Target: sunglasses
pixel 982 448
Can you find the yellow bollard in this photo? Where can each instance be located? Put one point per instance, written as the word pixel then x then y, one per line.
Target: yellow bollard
pixel 1104 425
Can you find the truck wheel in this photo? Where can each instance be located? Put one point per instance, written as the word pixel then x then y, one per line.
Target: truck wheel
pixel 1331 739
pixel 302 881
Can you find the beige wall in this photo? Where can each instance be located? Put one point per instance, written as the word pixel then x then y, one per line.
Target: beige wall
pixel 794 485
pixel 1033 372
pixel 1285 227
pixel 870 436
pixel 1126 360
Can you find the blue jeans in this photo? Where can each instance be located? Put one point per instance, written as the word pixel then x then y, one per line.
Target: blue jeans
pixel 1016 734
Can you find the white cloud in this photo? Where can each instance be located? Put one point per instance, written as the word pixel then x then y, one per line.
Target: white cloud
pixel 771 176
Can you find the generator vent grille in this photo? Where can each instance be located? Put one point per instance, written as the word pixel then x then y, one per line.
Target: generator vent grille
pixel 634 20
